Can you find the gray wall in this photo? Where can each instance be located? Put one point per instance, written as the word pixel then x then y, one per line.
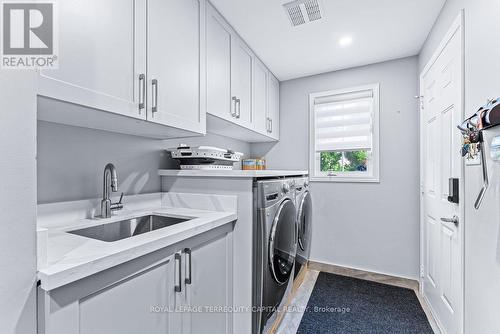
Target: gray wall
pixel 482 236
pixel 71 161
pixel 17 203
pixel 373 227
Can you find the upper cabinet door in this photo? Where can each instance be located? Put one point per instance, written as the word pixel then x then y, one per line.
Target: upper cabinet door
pixel 176 63
pixel 273 106
pixel 102 54
pixel 259 95
pixel 241 81
pixel 218 66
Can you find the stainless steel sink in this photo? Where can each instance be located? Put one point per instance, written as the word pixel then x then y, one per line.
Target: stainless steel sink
pixel 127 228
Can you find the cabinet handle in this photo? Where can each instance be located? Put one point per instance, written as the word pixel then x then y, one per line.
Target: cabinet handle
pixel 238 103
pixel 142 91
pixel 267 124
pixel 178 261
pixel 233 108
pixel 270 125
pixel 154 86
pixel 187 280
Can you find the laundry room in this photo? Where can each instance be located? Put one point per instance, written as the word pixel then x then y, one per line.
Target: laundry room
pixel 249 167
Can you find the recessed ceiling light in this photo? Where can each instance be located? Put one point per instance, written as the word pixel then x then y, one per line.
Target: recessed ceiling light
pixel 345 41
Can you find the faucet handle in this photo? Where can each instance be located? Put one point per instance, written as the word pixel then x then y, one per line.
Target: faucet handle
pixel 117 206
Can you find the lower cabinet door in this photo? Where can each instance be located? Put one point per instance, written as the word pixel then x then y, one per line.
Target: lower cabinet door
pixel 209 287
pixel 139 304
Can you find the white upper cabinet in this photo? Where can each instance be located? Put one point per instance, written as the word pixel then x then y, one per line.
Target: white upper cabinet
pixel 273 106
pixel 157 68
pixel 143 59
pixel 237 85
pixel 241 82
pixel 101 56
pixel 176 63
pixel 259 95
pixel 218 66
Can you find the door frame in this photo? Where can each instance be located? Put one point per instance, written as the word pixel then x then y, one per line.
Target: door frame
pixel 457 25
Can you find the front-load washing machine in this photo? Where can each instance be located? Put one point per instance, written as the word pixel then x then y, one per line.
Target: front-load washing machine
pixel 303 202
pixel 274 247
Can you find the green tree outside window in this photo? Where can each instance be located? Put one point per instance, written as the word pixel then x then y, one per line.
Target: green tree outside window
pixel 349 161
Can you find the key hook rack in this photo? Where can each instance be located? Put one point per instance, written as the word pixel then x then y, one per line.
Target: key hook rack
pixel 487 117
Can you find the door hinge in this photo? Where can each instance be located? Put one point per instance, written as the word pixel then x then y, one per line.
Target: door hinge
pixel 420 98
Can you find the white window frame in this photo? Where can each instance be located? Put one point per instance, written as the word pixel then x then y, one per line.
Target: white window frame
pixel 374 164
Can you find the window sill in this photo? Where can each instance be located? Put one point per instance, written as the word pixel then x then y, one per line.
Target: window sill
pixel 344 179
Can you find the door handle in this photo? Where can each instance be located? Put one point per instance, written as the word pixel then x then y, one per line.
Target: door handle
pixel 187 280
pixel 178 261
pixel 453 220
pixel 238 103
pixel 142 91
pixel 233 109
pixel 154 86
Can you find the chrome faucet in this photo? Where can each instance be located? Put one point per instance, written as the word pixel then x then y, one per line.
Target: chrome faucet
pixel 110 183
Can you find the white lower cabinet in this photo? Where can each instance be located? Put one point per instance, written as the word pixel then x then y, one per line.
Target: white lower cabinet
pixel 209 290
pixel 181 292
pixel 127 307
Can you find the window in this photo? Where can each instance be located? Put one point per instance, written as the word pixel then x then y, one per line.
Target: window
pixel 344 135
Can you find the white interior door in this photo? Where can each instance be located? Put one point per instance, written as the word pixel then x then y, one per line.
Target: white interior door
pixel 442 243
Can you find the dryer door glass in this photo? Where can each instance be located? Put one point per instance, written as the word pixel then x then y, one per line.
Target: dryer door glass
pixel 282 242
pixel 304 221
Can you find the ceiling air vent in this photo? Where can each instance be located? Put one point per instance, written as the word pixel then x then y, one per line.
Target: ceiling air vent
pixel 303 11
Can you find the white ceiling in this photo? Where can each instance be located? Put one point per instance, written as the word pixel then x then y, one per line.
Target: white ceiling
pixel 381 30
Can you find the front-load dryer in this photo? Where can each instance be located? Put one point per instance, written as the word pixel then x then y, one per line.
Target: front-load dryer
pixel 274 247
pixel 303 202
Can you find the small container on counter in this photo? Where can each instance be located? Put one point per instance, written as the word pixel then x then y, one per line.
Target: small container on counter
pixel 260 164
pixel 249 164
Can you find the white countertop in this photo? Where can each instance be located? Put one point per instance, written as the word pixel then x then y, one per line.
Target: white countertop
pixel 71 257
pixel 231 173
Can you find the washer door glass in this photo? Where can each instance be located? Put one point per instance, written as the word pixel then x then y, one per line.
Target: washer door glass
pixel 282 246
pixel 304 221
